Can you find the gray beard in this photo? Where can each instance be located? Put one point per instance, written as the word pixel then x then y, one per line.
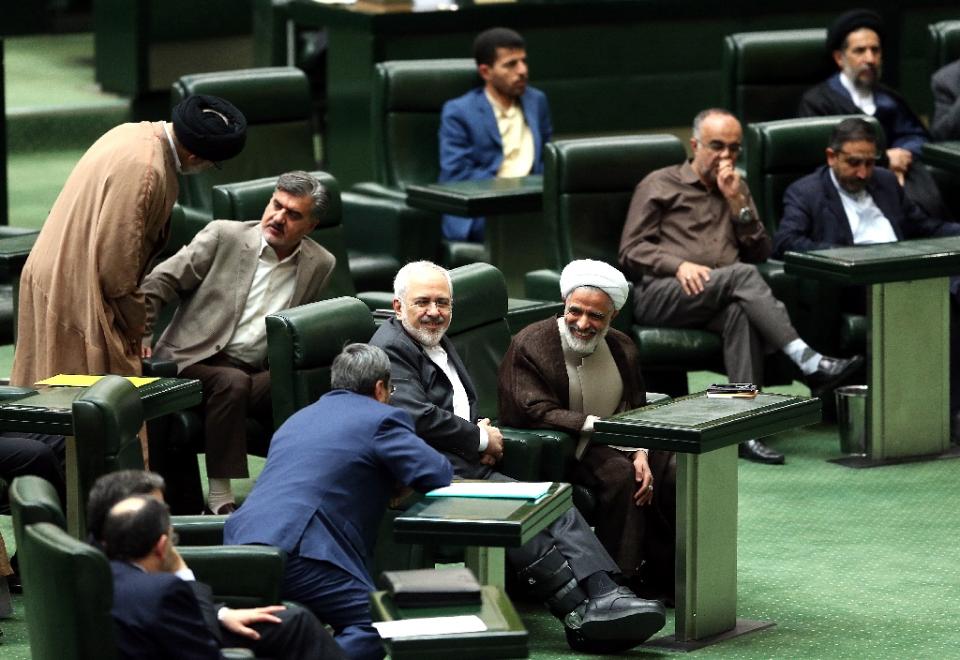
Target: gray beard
pixel 425 337
pixel 581 346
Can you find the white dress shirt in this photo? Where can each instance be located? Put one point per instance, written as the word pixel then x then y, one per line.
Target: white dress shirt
pixel 867 222
pixel 461 405
pixel 271 290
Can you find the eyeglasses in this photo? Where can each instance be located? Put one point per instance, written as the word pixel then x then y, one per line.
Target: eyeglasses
pixel 441 303
pixel 393 390
pixel 719 145
pixel 857 161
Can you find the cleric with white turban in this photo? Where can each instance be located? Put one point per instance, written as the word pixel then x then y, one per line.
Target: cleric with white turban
pixel 596 274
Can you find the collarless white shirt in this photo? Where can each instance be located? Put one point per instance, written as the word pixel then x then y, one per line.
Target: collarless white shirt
pixel 173 148
pixel 271 291
pixel 867 222
pixel 461 404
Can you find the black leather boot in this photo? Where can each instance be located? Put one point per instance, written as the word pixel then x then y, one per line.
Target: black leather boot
pixel 607 622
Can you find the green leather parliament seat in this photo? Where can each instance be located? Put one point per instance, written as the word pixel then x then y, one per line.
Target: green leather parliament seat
pixel 408 97
pixel 944 43
pixel 766 73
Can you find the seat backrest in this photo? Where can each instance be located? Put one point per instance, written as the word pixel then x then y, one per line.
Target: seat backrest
pixel 944 43
pixel 245 200
pixel 587 186
pixel 69 592
pixel 276 102
pixel 301 345
pixel 766 73
pixel 479 329
pixel 780 152
pixel 407 99
pixel 34 500
pixel 106 421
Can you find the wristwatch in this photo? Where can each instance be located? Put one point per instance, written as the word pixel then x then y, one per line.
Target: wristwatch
pixel 745 216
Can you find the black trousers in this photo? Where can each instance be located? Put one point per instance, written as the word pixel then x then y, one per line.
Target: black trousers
pixel 34 453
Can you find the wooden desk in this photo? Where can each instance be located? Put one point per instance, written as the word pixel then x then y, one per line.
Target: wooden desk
pixel 514 226
pixel 505 636
pixel 704 432
pixel 908 340
pixel 485 526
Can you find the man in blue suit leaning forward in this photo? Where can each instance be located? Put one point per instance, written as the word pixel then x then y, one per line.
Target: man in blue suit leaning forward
pixel 328 478
pixel 497 130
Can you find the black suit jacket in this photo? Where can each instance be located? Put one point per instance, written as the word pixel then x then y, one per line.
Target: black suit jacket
pixel 814 219
pixel 427 394
pixel 158 616
pixel 945 85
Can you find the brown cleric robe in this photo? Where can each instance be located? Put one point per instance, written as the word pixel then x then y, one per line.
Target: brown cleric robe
pixel 534 392
pixel 81 309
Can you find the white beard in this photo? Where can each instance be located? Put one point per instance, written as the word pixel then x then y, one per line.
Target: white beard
pixel 427 337
pixel 581 346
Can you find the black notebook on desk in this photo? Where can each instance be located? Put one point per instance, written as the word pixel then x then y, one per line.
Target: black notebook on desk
pixel 432 588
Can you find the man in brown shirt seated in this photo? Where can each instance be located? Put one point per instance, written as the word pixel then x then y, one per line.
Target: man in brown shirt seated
pixel 689 230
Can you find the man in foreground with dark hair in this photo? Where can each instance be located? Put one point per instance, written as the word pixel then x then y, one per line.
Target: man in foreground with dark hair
pixel 227 280
pixel 497 130
pixel 329 476
pixel 160 612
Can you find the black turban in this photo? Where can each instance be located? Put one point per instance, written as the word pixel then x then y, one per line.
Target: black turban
pixel 850 22
pixel 209 127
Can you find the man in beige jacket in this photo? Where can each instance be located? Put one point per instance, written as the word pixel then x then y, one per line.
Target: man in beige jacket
pixel 81 309
pixel 230 276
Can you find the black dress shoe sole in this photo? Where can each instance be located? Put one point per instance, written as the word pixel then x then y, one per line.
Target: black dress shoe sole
pixel 635 625
pixel 831 383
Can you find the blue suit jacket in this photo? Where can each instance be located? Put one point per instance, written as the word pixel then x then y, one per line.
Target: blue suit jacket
pixel 157 616
pixel 814 219
pixel 470 146
pixel 329 475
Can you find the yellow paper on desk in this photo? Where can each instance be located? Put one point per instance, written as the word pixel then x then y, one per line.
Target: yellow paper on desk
pixel 83 380
pixel 514 490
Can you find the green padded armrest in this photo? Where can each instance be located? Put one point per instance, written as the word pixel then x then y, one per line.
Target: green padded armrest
pixel 384 224
pixel 11 392
pixel 521 455
pixel 240 575
pixel 944 43
pixel 199 529
pixel 34 500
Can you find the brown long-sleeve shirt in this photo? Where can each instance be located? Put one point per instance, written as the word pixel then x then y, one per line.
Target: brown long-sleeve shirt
pixel 674 217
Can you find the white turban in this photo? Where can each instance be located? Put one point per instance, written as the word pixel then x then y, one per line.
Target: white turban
pixel 600 275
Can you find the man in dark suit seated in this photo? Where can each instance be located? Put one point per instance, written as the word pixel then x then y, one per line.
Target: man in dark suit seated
pixel 564 564
pixel 945 85
pixel 329 476
pixel 854 42
pixel 160 612
pixel 497 130
pixel 850 201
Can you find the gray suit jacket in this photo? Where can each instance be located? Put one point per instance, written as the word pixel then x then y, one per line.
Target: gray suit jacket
pixel 211 277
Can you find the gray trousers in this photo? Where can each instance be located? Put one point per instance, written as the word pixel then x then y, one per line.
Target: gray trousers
pixel 736 303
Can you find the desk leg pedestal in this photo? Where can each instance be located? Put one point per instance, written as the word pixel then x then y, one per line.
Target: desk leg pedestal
pixel 516 247
pixel 488 564
pixel 909 399
pixel 706 571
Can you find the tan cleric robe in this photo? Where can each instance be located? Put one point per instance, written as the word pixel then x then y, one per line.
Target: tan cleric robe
pixel 81 309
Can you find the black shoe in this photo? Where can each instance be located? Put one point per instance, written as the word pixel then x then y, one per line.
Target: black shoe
pixel 615 621
pixel 756 451
pixel 833 372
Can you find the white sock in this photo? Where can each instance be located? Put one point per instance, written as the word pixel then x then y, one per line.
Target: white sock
pixel 802 355
pixel 220 493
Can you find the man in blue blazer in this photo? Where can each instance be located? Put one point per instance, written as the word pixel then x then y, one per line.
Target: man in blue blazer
pixel 849 201
pixel 497 130
pixel 160 611
pixel 330 472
